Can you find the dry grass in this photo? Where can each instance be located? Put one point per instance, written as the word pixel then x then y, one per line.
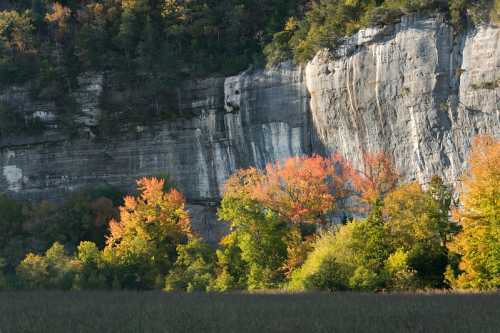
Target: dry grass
pixel 160 312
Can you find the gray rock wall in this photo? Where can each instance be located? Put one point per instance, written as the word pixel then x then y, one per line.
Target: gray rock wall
pixel 250 119
pixel 414 90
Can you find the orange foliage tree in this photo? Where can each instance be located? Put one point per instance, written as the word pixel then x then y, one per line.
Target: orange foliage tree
pixel 479 241
pixel 142 245
pixel 302 189
pixel 376 177
pixel 272 212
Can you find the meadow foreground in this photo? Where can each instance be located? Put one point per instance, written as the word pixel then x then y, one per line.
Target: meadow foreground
pixel 162 312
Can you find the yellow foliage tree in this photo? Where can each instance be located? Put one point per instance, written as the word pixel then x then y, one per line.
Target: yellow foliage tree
pixel 479 241
pixel 142 245
pixel 414 224
pixel 410 217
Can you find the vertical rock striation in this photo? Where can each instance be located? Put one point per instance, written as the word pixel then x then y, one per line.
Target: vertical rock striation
pixel 414 90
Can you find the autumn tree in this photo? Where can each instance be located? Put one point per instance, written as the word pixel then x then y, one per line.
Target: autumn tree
pixel 303 190
pixel 479 216
pixel 58 18
pixel 252 255
pixel 414 224
pixel 273 212
pixel 15 32
pixel 142 245
pixel 375 177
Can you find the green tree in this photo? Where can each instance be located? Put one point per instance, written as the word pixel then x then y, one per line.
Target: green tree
pixel 193 269
pixel 257 240
pixel 89 263
pixel 54 270
pixel 232 270
pixel 416 224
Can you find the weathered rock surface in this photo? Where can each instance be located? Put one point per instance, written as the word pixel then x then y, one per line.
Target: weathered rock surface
pixel 414 90
pixel 250 119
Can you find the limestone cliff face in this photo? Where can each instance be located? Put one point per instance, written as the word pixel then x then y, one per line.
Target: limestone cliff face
pixel 415 90
pixel 251 119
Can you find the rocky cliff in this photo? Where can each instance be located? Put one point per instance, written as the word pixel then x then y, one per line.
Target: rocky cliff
pixel 416 90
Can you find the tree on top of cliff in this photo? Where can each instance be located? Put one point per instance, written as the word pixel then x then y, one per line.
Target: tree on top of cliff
pixel 326 23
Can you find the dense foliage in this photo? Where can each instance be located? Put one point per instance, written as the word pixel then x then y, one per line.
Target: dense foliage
pixel 288 230
pixel 34 227
pixel 272 215
pixel 153 41
pixel 401 245
pixel 144 48
pixel 479 241
pixel 142 246
pixel 327 22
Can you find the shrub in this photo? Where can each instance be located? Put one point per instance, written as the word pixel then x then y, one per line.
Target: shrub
pixel 364 279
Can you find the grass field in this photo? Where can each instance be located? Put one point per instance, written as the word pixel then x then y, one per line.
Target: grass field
pixel 161 312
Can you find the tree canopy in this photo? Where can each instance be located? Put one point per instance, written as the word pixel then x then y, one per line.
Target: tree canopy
pixel 284 232
pixel 479 216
